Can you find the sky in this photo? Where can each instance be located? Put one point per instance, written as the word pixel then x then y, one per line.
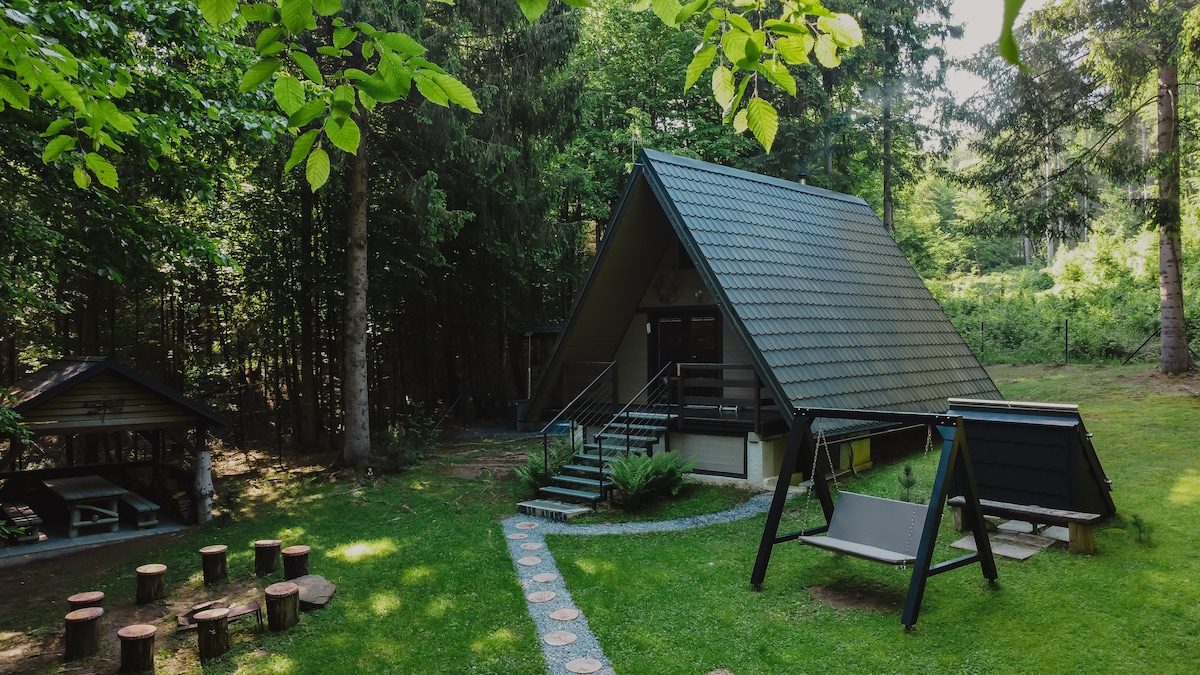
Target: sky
pixel 981 19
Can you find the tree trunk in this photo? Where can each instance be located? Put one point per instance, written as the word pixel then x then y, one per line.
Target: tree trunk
pixel 889 221
pixel 306 393
pixel 1174 357
pixel 356 439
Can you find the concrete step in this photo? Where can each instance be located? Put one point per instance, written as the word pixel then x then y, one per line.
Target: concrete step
pixel 552 509
pixel 569 495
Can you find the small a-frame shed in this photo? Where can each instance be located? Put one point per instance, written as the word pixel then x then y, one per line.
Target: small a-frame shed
pixel 757 295
pixel 103 411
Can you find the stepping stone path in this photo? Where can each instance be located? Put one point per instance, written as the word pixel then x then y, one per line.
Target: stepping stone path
pixel 568 643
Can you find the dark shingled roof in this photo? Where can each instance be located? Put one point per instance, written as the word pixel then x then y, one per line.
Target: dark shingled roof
pixel 820 293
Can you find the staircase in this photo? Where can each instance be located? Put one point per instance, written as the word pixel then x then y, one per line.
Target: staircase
pixel 598 436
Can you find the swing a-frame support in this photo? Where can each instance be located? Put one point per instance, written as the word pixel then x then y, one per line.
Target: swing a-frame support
pixel 955 461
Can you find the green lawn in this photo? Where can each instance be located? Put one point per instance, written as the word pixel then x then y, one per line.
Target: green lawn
pixel 684 599
pixel 426 585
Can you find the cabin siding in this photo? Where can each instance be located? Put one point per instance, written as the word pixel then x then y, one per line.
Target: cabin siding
pixel 718 455
pixel 77 409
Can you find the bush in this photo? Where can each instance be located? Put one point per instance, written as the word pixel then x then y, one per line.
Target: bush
pixel 543 464
pixel 406 441
pixel 640 476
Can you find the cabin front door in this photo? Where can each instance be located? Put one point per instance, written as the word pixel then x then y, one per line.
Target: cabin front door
pixel 685 337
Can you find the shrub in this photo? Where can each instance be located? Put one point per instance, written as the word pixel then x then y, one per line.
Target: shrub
pixel 543 464
pixel 640 476
pixel 406 441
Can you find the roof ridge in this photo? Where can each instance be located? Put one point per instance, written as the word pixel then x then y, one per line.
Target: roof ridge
pixel 701 165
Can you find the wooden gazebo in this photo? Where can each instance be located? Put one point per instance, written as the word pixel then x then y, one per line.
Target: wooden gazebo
pixel 103 418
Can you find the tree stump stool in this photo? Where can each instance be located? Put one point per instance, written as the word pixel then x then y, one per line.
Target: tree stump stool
pixel 266 556
pixel 295 561
pixel 137 648
pixel 212 632
pixel 82 635
pixel 150 583
pixel 212 559
pixel 88 599
pixel 283 605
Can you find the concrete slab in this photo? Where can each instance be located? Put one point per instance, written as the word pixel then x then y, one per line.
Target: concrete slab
pixel 1016 526
pixel 1058 533
pixel 552 510
pixel 56 545
pixel 1003 550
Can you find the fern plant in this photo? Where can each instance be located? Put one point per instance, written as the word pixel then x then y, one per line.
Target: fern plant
pixel 541 466
pixel 640 476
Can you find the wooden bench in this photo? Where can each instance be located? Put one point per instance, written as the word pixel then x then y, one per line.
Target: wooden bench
pixel 20 515
pixel 873 528
pixel 145 511
pixel 1080 525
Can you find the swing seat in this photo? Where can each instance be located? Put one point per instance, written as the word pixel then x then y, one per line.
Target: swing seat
pixel 873 528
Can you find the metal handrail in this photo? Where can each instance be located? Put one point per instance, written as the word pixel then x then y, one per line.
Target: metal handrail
pixel 625 411
pixel 570 408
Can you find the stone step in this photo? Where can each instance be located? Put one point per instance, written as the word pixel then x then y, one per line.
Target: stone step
pixel 569 495
pixel 552 509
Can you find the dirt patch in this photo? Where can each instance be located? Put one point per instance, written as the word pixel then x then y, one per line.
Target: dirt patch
pixel 875 600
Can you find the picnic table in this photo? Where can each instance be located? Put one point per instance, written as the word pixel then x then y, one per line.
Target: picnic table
pixel 91 500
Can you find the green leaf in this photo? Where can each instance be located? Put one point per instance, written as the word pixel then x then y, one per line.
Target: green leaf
pixel 722 86
pixel 377 88
pixel 82 179
pixel 778 74
pixel 300 149
pixel 430 89
pixel 785 28
pixel 307 113
pixel 739 22
pixel 119 120
pixel 289 93
pixel 578 3
pixel 317 169
pixel 733 44
pixel 826 52
pixel 691 9
pixel 14 93
pixel 795 49
pixel 56 126
pixel 105 172
pixel 700 62
pixel 260 13
pixel 842 28
pixel 668 11
pixel 214 113
pixel 259 73
pixel 344 134
pixel 327 7
pixel 532 9
pixel 308 66
pixel 297 15
pixel 640 6
pixel 343 37
pixel 64 89
pixel 458 92
pixel 763 121
pixel 217 12
pixel 739 121
pixel 1008 44
pixel 57 146
pixel 269 35
pixel 402 43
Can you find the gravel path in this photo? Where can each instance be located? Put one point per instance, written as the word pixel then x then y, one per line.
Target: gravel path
pixel 569 645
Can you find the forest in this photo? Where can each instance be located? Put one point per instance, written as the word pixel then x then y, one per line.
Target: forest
pixel 1054 214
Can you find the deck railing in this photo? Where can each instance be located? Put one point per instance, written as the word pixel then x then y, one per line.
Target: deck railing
pixel 724 387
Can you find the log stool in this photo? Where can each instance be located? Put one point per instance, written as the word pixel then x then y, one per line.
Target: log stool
pixel 266 556
pixel 88 599
pixel 150 583
pixel 82 636
pixel 212 559
pixel 137 648
pixel 283 605
pixel 295 561
pixel 212 632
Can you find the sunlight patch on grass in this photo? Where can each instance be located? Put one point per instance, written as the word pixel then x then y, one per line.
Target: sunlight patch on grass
pixel 416 575
pixel 263 662
pixel 385 603
pixel 594 566
pixel 1186 491
pixel 497 640
pixel 364 549
pixel 439 606
pixel 292 533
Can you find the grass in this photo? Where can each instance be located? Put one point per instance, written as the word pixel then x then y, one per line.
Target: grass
pixel 425 583
pixel 693 500
pixel 684 599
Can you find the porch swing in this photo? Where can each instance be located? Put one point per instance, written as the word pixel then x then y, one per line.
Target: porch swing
pixel 881 530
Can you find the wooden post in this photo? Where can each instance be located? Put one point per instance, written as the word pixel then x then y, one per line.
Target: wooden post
pixel 150 583
pixel 137 648
pixel 203 486
pixel 295 561
pixel 88 599
pixel 82 635
pixel 283 605
pixel 212 632
pixel 216 567
pixel 266 556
